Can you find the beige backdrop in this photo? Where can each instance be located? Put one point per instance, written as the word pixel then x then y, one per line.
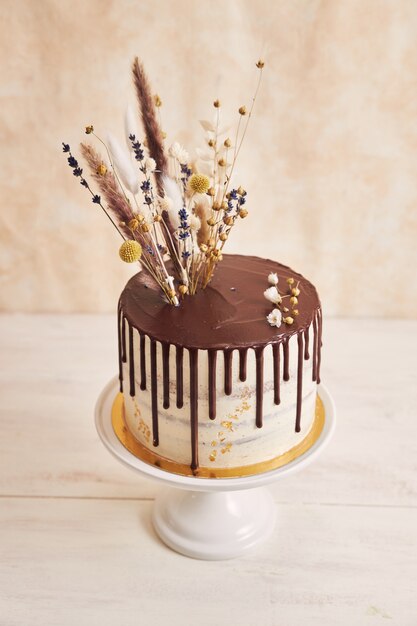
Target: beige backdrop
pixel 330 163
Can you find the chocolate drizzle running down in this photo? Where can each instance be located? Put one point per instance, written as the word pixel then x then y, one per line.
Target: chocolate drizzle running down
pixel 142 362
pixel 286 351
pixel 119 345
pixel 212 360
pixel 179 375
pixel 306 339
pixel 227 371
pixel 165 368
pixel 218 318
pixel 154 394
pixel 194 407
pixel 299 382
pixel 131 362
pixel 259 355
pixel 275 353
pixel 243 359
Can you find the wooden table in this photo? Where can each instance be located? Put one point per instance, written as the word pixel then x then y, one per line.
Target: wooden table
pixel 77 547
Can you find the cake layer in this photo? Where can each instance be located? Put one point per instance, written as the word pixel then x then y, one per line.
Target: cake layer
pixel 232 438
pixel 211 382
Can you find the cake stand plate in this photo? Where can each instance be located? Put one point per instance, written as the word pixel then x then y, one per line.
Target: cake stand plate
pixel 210 518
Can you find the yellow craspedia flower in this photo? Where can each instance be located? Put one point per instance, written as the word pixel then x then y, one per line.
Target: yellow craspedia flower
pixel 130 251
pixel 102 169
pixel 199 183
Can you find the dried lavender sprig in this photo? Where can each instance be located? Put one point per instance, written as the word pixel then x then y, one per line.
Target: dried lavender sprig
pixel 167 230
pixel 77 171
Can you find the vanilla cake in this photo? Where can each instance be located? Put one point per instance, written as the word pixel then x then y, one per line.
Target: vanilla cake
pixel 210 386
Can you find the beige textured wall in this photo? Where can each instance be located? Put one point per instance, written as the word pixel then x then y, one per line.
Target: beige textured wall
pixel 330 163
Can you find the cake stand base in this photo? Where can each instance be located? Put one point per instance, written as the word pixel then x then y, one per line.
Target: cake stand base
pixel 210 518
pixel 214 525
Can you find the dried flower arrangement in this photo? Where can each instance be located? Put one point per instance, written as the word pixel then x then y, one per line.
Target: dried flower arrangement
pixel 273 295
pixel 186 209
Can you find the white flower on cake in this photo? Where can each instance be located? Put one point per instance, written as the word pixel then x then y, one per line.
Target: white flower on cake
pixel 273 278
pixel 272 295
pixel 179 153
pixel 275 318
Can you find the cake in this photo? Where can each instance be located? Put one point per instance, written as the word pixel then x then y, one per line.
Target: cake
pixel 219 355
pixel 209 385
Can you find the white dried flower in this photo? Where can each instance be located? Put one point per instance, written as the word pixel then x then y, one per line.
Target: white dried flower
pixel 173 193
pixel 165 203
pixel 179 153
pixel 272 295
pixel 275 318
pixel 273 279
pixel 123 165
pixel 194 222
pixel 150 164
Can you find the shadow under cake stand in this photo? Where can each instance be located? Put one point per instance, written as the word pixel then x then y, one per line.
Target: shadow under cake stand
pixel 211 518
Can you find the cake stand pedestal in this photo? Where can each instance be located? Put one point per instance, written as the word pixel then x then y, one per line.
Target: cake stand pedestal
pixel 210 518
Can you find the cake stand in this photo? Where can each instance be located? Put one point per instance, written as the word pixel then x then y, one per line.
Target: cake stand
pixel 210 518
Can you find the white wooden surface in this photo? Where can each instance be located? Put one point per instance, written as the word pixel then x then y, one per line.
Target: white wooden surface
pixel 76 544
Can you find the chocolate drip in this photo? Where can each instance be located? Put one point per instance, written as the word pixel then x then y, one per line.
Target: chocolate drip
pixel 194 407
pixel 315 343
pixel 306 339
pixel 212 359
pixel 124 352
pixel 319 344
pixel 142 363
pixel 299 382
pixel 154 395
pixel 227 371
pixel 286 359
pixel 259 354
pixel 165 370
pixel 131 363
pixel 243 357
pixel 275 354
pixel 179 376
pixel 119 347
pixel 216 319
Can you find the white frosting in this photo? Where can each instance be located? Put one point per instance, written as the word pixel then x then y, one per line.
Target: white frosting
pixel 232 439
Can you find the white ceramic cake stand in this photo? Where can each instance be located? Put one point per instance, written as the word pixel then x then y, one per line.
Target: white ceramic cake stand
pixel 210 518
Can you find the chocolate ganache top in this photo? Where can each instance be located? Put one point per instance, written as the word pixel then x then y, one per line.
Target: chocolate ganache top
pixel 230 313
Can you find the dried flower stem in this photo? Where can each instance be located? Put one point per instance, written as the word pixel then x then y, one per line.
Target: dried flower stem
pixel 238 147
